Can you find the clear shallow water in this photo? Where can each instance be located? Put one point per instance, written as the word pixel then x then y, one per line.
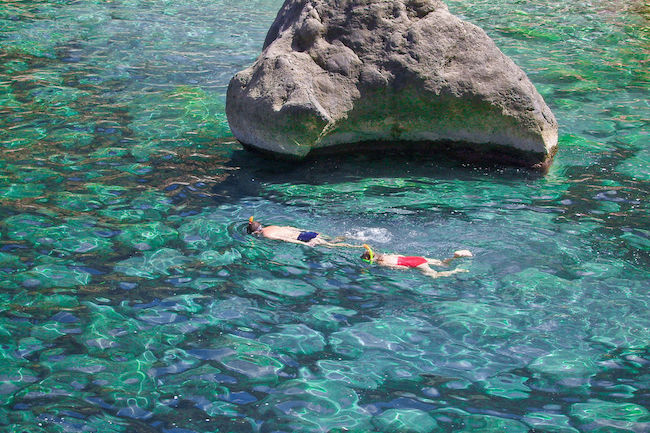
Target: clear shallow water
pixel 132 301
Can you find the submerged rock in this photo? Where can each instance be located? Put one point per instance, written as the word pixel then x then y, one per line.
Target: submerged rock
pixel 350 75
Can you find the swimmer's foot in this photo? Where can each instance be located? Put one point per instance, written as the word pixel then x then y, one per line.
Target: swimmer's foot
pixel 457 255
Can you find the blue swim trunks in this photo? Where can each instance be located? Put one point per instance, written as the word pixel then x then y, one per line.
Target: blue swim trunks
pixel 307 236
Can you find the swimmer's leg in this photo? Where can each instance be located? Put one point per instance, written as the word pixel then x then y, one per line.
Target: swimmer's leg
pixel 457 255
pixel 426 270
pixel 452 272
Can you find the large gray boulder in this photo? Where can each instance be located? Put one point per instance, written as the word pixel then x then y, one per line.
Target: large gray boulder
pixel 344 75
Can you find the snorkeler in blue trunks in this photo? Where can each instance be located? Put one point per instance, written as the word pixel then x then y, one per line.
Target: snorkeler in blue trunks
pixel 307 236
pixel 292 234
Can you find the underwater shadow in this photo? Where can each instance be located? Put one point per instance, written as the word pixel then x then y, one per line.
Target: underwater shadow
pixel 248 170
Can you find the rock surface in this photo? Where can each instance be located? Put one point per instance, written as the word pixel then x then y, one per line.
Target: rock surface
pixel 343 75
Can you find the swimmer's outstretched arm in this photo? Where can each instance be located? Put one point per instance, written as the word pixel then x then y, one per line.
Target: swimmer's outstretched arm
pixel 328 244
pixel 339 241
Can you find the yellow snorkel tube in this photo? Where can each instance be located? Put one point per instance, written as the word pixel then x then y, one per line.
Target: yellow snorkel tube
pixel 250 225
pixel 370 253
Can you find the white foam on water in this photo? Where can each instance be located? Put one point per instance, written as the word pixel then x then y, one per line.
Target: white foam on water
pixel 370 234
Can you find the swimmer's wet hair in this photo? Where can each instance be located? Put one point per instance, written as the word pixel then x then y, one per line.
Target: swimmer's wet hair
pixel 253 226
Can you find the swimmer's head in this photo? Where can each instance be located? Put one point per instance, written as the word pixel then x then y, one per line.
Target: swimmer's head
pixel 368 255
pixel 253 226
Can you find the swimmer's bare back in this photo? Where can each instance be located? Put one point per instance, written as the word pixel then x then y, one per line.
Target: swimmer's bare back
pixel 298 236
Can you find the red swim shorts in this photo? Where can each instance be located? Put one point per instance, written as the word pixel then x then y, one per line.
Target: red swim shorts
pixel 410 262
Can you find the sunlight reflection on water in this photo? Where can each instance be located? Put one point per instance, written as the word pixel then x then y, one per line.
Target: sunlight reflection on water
pixel 133 300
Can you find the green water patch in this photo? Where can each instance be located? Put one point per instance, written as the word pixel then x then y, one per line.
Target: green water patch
pixel 56 96
pixel 109 330
pixel 601 416
pixel 364 373
pixel 295 340
pixel 133 299
pixel 57 274
pixel 580 151
pixel 488 423
pixel 571 368
pixel 146 236
pixel 277 289
pixel 124 214
pixel 25 226
pixel 639 239
pixel 10 261
pixel 315 405
pixel 637 167
pixel 218 259
pixel 240 312
pixel 20 191
pixel 542 286
pixel 400 348
pixel 508 386
pixel 636 140
pixel 404 421
pixel 327 317
pixel 203 232
pixel 29 137
pixel 44 302
pixel 552 423
pixel 152 264
pixel 188 113
pixel 201 387
pixel 74 239
pixel 404 196
pixel 16 375
pixel 34 34
pixel 531 33
pixel 76 202
pixel 107 194
pixel 386 335
pixel 75 235
pixel 253 360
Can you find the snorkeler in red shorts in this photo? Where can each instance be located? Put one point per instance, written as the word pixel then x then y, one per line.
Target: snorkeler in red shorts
pixel 422 263
pixel 292 234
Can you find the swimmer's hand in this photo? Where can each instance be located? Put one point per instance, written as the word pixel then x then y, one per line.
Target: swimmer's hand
pixel 463 253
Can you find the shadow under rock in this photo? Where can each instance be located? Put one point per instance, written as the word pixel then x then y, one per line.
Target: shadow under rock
pixel 248 170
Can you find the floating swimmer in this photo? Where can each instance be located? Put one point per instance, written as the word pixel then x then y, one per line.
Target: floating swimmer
pixel 292 234
pixel 422 263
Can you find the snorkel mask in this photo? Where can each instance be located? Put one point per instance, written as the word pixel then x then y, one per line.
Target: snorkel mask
pixel 370 254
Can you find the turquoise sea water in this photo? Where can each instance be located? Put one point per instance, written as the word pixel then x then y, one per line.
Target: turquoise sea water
pixel 131 299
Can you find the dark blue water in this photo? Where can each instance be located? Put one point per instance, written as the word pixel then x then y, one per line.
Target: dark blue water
pixel 132 299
